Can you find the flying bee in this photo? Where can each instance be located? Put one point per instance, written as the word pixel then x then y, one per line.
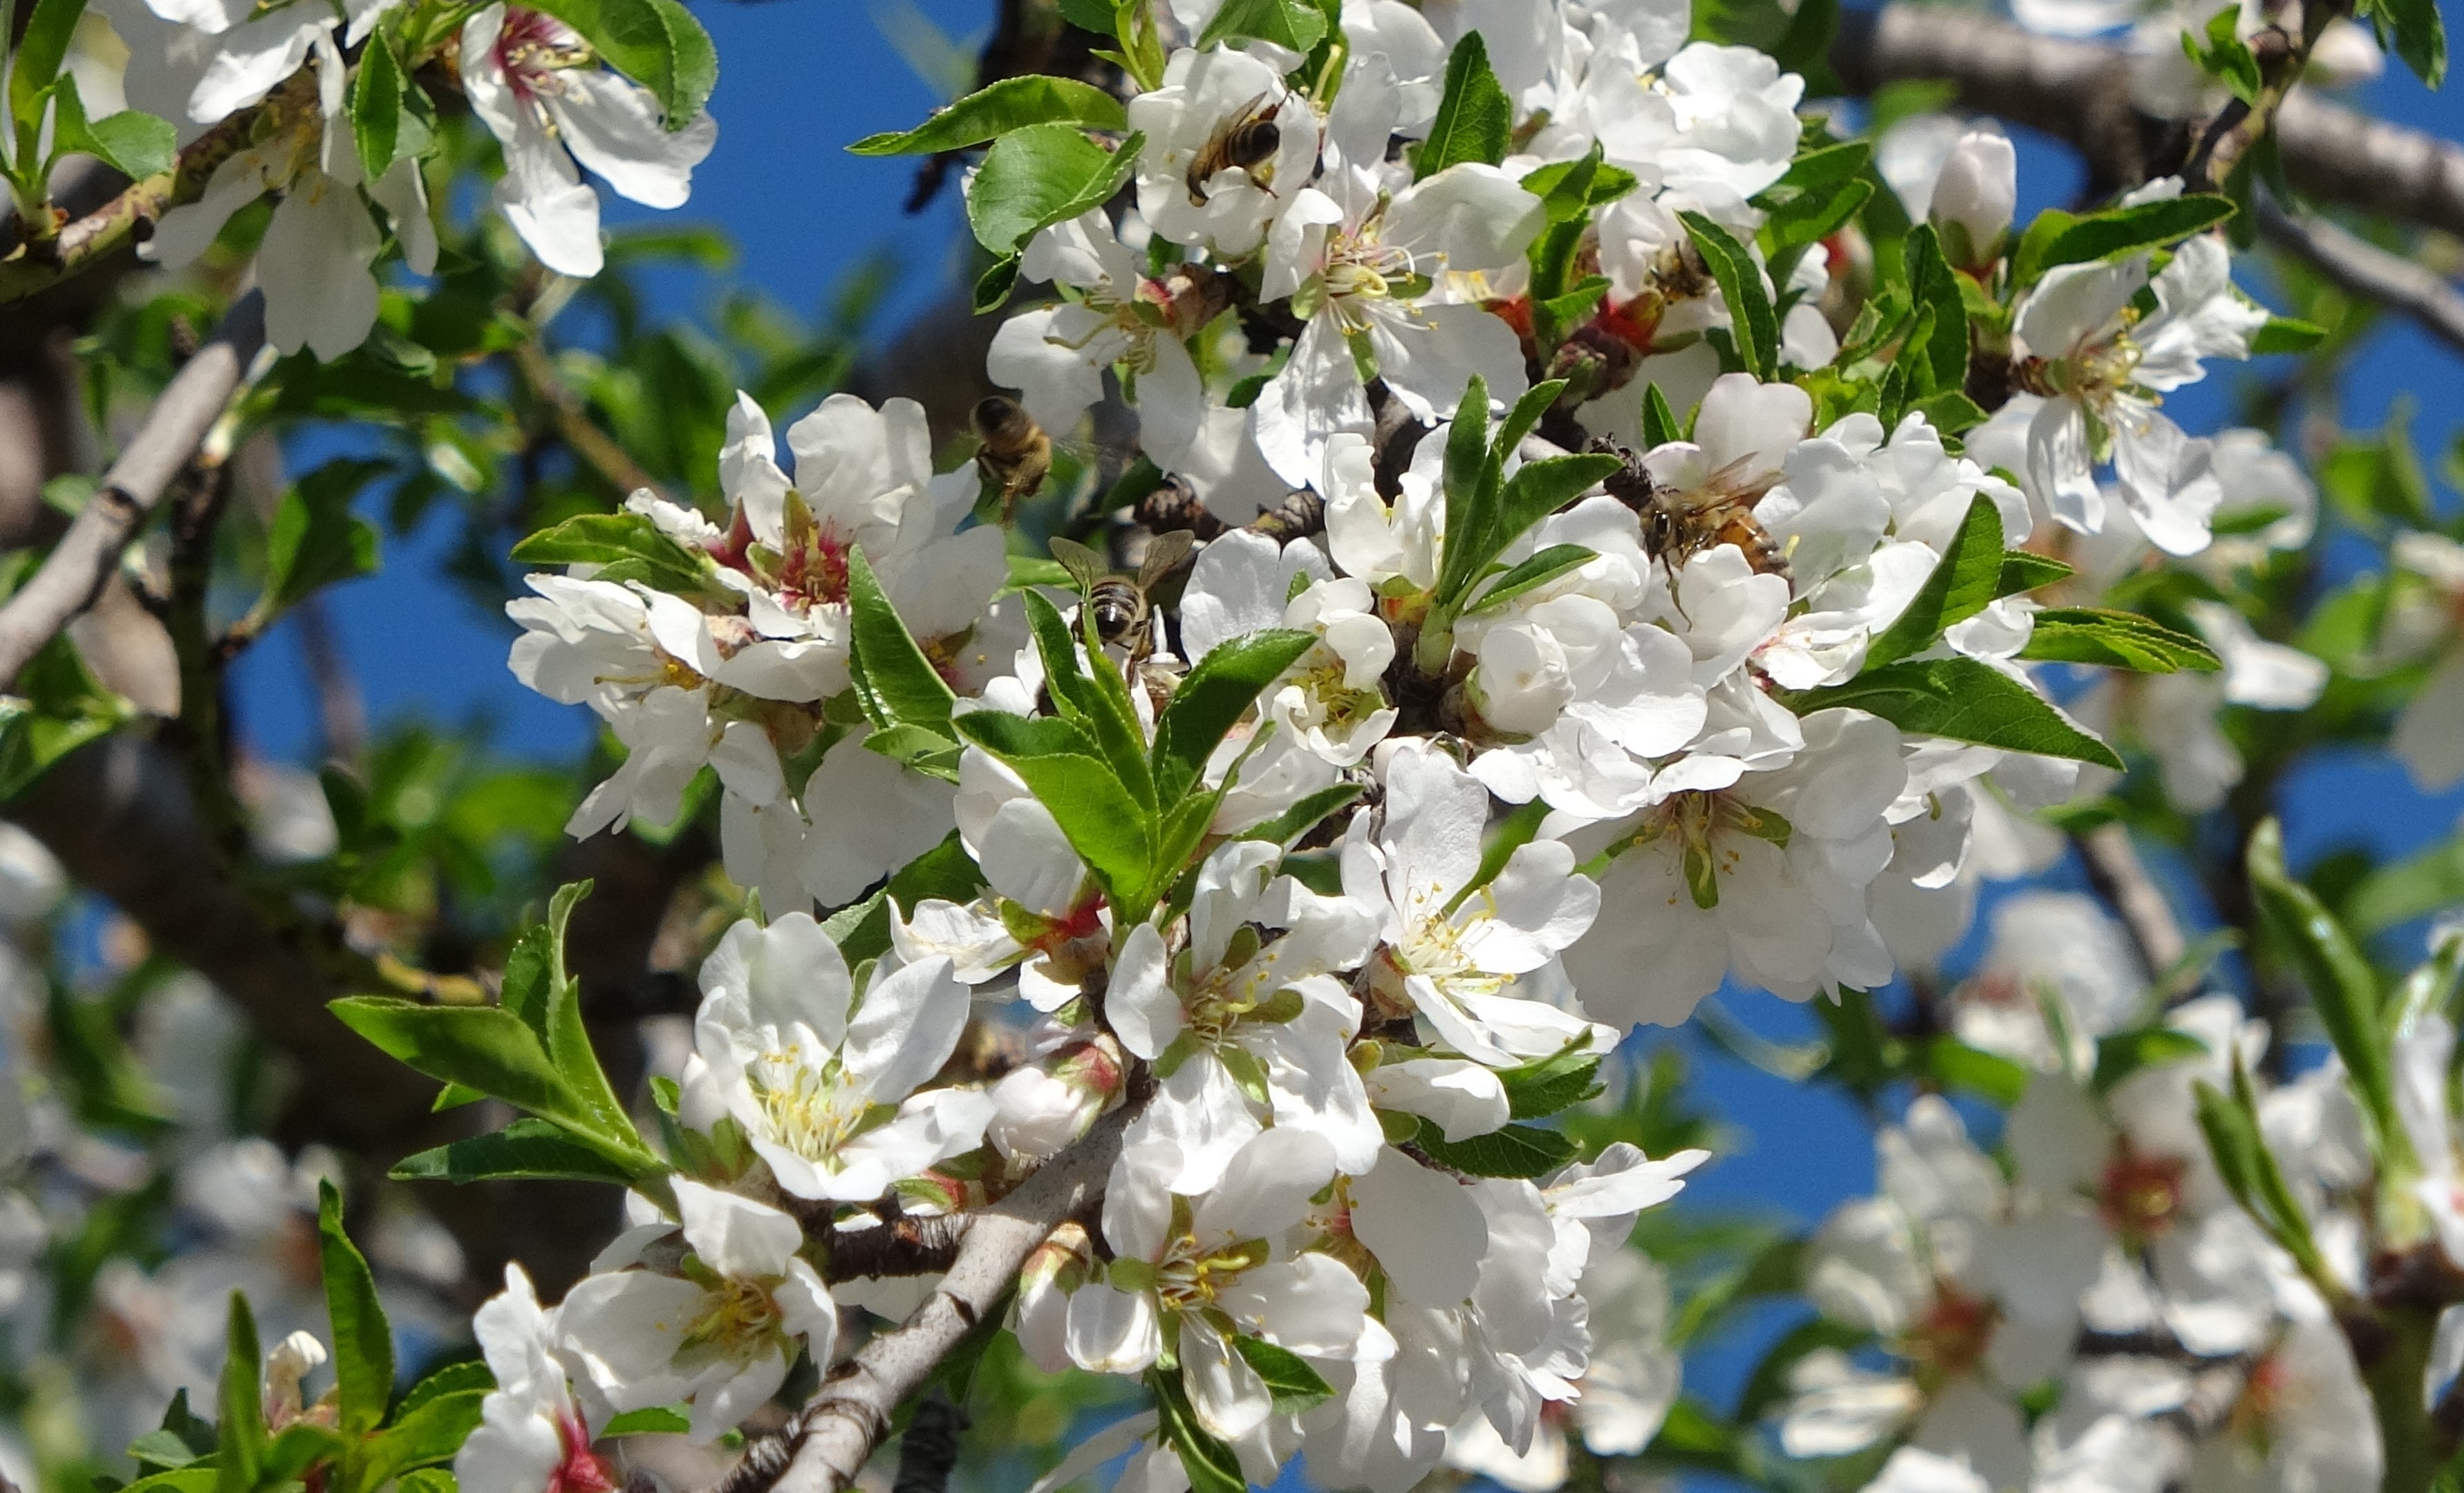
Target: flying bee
pixel 1248 138
pixel 1678 524
pixel 1015 456
pixel 1118 604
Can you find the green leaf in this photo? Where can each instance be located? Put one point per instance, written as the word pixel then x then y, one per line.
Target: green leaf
pixel 657 43
pixel 376 106
pixel 1290 1382
pixel 1965 582
pixel 2249 1173
pixel 240 1404
pixel 1111 831
pixel 1304 816
pixel 1569 190
pixel 1287 23
pixel 2285 335
pixel 1536 489
pixel 497 1052
pixel 1514 1150
pixel 990 113
pixel 56 706
pixel 185 1436
pixel 525 1148
pixel 894 682
pixel 2416 886
pixel 2022 572
pixel 1809 217
pixel 1963 700
pixel 1954 1064
pixel 132 143
pixel 1933 285
pixel 363 1338
pixel 297 1447
pixel 41 50
pixel 2121 1054
pixel 1040 175
pixel 538 990
pixel 1660 422
pixel 317 541
pixel 607 538
pixel 453 1378
pixel 2420 34
pixel 2117 231
pixel 1211 1465
pixel 1545 1085
pixel 1826 166
pixel 432 1432
pixel 1212 701
pixel 658 1421
pixel 2342 988
pixel 2116 640
pixel 1475 120
pixel 1756 325
pixel 1541 569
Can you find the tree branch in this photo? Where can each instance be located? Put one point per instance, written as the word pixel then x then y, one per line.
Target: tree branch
pixel 88 553
pixel 829 1441
pixel 2354 264
pixel 41 261
pixel 597 448
pixel 2121 878
pixel 2079 92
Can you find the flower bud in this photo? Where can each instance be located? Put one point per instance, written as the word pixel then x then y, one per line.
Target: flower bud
pixel 1037 1112
pixel 1973 199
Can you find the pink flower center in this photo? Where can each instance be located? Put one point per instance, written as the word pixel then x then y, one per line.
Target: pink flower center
pixel 531 47
pixel 2139 1196
pixel 581 1471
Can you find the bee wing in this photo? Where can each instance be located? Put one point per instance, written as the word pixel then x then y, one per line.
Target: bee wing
pixel 1083 564
pixel 1163 556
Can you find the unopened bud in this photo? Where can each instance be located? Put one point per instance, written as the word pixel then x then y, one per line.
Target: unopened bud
pixel 1039 1111
pixel 1973 199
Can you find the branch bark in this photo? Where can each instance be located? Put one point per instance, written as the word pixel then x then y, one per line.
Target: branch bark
pixel 829 1441
pixel 2079 92
pixel 2121 878
pixel 87 556
pixel 2356 265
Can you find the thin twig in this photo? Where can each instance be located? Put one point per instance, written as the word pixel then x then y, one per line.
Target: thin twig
pixel 596 448
pixel 2357 266
pixel 2120 877
pixel 829 1441
pixel 84 559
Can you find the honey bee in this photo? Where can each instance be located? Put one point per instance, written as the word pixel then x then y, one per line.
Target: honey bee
pixel 1015 456
pixel 1118 605
pixel 1248 138
pixel 1678 524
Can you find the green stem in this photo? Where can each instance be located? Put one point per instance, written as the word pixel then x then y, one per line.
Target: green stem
pixel 2393 1347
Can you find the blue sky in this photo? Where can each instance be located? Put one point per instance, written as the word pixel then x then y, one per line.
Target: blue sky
pixel 799 79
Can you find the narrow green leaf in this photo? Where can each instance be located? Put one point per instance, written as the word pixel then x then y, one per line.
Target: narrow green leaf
pixel 1964 582
pixel 2022 571
pixel 1963 700
pixel 525 1148
pixel 240 1404
pixel 1755 325
pixel 41 50
pixel 315 540
pixel 1304 816
pixel 2121 1054
pixel 1954 1064
pixel 2285 335
pixel 2124 231
pixel 2342 988
pixel 376 106
pixel 1534 572
pixel 1211 1465
pixel 362 1337
pixel 1290 1382
pixel 1111 831
pixel 453 1378
pixel 1569 190
pixel 1475 120
pixel 894 682
pixel 1545 1085
pixel 432 1432
pixel 990 113
pixel 607 538
pixel 1212 701
pixel 657 43
pixel 1934 285
pixel 2116 640
pixel 1660 422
